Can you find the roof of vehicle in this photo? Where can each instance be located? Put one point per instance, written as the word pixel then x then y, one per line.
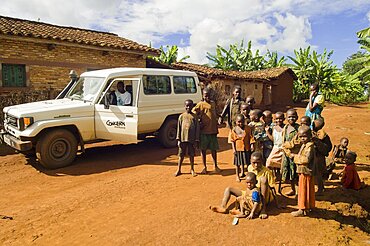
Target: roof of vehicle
pixel 129 71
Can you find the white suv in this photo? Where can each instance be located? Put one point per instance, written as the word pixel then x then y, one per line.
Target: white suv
pixel 54 129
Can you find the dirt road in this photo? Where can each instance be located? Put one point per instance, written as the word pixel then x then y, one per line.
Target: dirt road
pixel 126 194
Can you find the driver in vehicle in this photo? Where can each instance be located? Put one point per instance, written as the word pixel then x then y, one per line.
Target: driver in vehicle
pixel 120 97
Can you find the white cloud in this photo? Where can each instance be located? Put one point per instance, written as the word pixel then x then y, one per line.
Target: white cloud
pixel 368 16
pixel 281 25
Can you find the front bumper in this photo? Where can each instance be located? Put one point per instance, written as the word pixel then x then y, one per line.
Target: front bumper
pixel 14 142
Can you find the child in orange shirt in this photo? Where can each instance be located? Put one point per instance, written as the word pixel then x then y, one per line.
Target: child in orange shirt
pixel 240 142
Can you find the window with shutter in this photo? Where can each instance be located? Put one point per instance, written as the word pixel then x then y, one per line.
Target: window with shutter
pixel 13 75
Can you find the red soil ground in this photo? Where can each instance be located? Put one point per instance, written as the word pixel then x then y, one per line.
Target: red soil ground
pixel 126 194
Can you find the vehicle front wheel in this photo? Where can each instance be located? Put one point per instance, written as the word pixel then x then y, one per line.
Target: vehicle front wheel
pixel 167 133
pixel 56 148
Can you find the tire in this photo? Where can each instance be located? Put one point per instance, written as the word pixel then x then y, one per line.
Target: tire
pixel 167 133
pixel 56 148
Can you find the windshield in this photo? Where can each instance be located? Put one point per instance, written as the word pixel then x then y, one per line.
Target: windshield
pixel 86 89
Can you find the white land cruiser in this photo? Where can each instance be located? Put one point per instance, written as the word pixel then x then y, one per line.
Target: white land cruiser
pixel 54 129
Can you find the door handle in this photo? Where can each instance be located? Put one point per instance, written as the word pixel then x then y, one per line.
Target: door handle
pixel 129 115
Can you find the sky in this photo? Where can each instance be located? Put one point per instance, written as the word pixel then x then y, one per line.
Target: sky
pixel 198 26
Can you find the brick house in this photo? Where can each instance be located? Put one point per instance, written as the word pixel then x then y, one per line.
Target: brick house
pixel 270 87
pixel 36 56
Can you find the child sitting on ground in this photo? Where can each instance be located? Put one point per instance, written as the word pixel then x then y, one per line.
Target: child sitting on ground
pixel 337 157
pixel 188 132
pixel 240 138
pixel 249 204
pixel 265 181
pixel 350 178
pixel 258 130
pixel 267 141
pixel 305 165
pixel 339 151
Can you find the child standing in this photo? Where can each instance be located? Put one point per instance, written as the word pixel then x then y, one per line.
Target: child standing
pixel 258 130
pixel 305 165
pixel 323 146
pixel 305 120
pixel 288 168
pixel 240 141
pixel 276 157
pixel 232 108
pixel 350 178
pixel 206 112
pixel 187 136
pixel 244 110
pixel 267 141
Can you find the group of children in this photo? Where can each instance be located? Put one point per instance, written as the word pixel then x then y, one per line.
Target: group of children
pixel 292 152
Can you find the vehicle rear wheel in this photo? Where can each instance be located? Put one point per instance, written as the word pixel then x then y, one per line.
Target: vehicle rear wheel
pixel 56 148
pixel 167 133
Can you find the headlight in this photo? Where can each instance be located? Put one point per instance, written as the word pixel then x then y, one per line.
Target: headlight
pixel 25 122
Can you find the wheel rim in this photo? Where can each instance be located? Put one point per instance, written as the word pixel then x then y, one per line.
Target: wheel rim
pixel 172 134
pixel 59 149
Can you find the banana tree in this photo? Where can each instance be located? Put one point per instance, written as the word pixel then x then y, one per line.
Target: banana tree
pixel 273 60
pixel 169 55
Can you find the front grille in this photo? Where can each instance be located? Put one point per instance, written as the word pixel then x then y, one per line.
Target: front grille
pixel 11 120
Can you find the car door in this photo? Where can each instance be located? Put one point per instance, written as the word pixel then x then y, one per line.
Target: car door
pixel 119 123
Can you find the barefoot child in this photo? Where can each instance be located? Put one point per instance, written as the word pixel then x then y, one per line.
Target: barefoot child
pixel 350 178
pixel 187 136
pixel 240 141
pixel 206 112
pixel 232 108
pixel 337 157
pixel 323 146
pixel 339 151
pixel 248 202
pixel 265 180
pixel 305 165
pixel 288 167
pixel 276 157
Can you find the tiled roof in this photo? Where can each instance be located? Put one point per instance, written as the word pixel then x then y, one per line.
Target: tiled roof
pixel 265 74
pixel 25 28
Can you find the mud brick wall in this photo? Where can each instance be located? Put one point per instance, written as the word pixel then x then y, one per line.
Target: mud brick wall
pixel 48 65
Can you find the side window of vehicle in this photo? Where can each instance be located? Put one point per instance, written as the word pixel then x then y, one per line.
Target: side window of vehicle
pixel 156 85
pixel 184 84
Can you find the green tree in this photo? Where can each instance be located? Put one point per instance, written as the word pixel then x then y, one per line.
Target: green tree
pixel 272 60
pixel 350 68
pixel 302 67
pixel 311 67
pixel 364 61
pixel 364 33
pixel 169 55
pixel 240 58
